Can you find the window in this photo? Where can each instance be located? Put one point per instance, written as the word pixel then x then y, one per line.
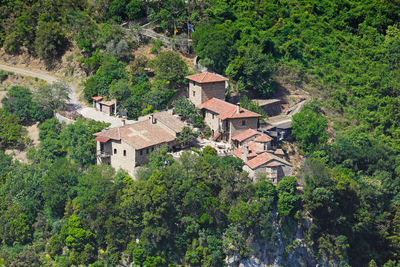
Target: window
pixel 243 123
pixel 147 151
pixel 124 152
pixel 194 93
pixel 115 151
pixel 141 152
pixel 101 147
pixel 212 116
pixel 152 149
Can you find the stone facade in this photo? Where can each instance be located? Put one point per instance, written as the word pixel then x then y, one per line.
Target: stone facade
pixel 201 92
pixel 120 155
pixel 238 125
pixel 274 174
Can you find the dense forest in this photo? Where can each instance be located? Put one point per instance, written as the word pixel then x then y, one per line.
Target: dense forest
pixel 62 210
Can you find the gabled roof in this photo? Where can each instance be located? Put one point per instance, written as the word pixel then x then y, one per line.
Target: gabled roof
pixel 97 98
pixel 245 134
pixel 259 158
pixel 266 158
pixel 279 152
pixel 169 120
pixel 263 138
pixel 206 77
pixel 226 110
pixel 108 103
pixel 144 134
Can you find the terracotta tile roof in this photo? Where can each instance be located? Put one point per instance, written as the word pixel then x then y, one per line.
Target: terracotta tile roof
pixel 206 77
pixel 260 158
pixel 263 138
pixel 97 98
pixel 101 139
pixel 216 136
pixel 279 152
pixel 251 149
pixel 143 134
pixel 108 103
pixel 275 164
pixel 226 110
pixel 169 120
pixel 245 134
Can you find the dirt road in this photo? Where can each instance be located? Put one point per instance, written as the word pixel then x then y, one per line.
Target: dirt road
pixel 79 106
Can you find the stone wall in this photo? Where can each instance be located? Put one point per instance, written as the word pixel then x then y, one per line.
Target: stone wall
pixel 199 93
pixel 236 125
pixel 62 119
pixel 211 119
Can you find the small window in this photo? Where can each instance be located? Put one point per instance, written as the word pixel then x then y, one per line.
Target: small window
pixel 147 151
pixel 101 146
pixel 243 123
pixel 115 151
pixel 212 116
pixel 152 149
pixel 124 152
pixel 141 152
pixel 194 93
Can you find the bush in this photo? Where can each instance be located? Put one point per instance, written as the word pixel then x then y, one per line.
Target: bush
pixel 50 42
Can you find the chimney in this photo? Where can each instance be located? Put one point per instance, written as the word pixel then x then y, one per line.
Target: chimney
pixel 153 120
pixel 244 154
pixel 238 107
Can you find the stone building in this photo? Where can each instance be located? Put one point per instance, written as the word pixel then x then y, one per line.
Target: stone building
pixel 261 161
pixel 129 146
pixel 204 86
pixel 226 119
pixel 108 107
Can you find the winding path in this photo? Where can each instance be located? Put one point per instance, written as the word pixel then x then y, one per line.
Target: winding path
pixel 87 112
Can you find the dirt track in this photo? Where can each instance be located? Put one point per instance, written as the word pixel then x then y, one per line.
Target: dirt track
pixel 87 112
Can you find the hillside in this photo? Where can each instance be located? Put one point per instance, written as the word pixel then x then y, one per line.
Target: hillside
pixel 58 208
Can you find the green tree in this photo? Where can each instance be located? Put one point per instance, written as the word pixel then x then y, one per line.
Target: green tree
pixel 58 184
pixel 186 136
pixel 53 96
pixel 19 101
pixel 11 132
pixel 309 128
pixel 50 41
pixel 78 141
pixel 169 68
pixel 252 70
pixel 185 108
pixel 288 200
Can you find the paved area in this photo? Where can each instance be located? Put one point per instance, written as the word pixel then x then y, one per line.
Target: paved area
pixel 94 114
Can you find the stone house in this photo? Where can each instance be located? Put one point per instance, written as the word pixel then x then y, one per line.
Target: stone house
pixel 248 135
pixel 259 161
pixel 204 86
pixel 108 107
pixel 129 146
pixel 226 119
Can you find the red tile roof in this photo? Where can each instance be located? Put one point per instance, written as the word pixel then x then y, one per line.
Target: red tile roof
pixel 206 77
pixel 257 158
pixel 101 139
pixel 97 98
pixel 245 134
pixel 108 103
pixel 143 134
pixel 226 110
pixel 263 138
pixel 216 136
pixel 279 152
pixel 169 120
